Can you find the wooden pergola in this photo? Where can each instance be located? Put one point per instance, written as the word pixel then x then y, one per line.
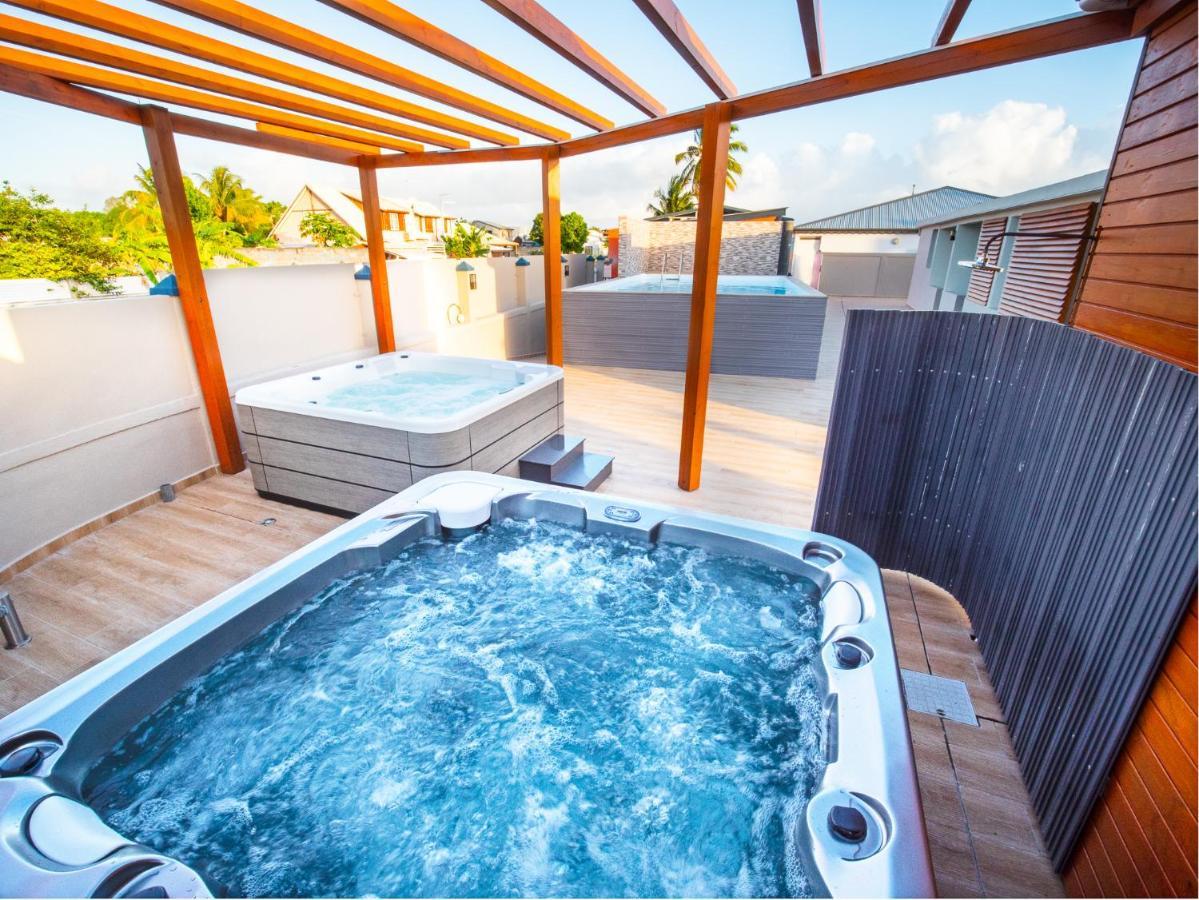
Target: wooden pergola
pixel 371 129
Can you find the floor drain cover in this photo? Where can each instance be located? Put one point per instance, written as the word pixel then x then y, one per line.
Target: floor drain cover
pixel 938 696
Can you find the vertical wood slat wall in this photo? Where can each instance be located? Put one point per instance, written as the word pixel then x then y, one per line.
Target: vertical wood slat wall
pixel 979 290
pixel 1141 281
pixel 1041 273
pixel 1140 290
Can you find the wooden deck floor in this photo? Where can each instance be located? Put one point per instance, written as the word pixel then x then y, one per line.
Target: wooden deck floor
pixel 765 441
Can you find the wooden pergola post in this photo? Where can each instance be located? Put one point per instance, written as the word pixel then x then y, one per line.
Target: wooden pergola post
pixel 193 296
pixel 376 257
pixel 708 226
pixel 551 243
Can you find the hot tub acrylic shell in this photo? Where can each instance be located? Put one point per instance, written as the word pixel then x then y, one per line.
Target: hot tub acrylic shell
pixel 51 844
pixel 301 447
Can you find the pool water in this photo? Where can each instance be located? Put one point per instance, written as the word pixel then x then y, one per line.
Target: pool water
pixel 530 711
pixel 420 394
pixel 753 285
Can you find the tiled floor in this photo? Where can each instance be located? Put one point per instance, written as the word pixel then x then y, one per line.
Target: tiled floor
pixel 762 461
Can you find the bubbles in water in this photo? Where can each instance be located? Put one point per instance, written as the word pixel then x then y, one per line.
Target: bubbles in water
pixel 530 711
pixel 418 394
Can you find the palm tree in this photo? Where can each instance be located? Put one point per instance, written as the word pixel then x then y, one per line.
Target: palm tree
pixel 223 189
pixel 675 197
pixel 690 160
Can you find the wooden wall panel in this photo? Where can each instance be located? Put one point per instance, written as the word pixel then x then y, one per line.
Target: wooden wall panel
pixel 1140 287
pixel 1140 290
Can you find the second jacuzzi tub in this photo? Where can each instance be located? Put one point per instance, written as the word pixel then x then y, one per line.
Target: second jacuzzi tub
pixel 348 436
pixel 481 687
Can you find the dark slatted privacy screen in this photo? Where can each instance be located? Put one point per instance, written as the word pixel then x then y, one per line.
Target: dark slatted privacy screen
pixel 979 290
pixel 1041 272
pixel 1046 477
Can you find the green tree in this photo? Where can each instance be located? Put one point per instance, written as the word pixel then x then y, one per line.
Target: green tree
pixel 135 225
pixel 39 241
pixel 466 242
pixel 690 159
pixel 326 231
pixel 573 230
pixel 675 197
pixel 235 204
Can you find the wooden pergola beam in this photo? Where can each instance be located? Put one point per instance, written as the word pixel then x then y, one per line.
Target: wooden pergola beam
pixel 951 18
pixel 813 35
pixel 76 73
pixel 537 21
pixel 376 257
pixel 78 46
pixel 126 24
pixel 281 32
pixel 51 90
pixel 551 244
pixel 193 295
pixel 457 157
pixel 665 16
pixel 714 157
pixel 1064 35
pixel 349 146
pixel 396 21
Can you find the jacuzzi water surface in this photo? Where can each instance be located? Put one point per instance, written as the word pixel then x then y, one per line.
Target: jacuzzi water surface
pixel 532 711
pixel 561 695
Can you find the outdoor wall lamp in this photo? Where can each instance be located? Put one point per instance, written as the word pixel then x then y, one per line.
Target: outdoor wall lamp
pixel 982 263
pixel 472 278
pixel 566 271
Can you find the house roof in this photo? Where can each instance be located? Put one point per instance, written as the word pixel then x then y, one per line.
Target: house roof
pixel 1083 186
pixel 902 214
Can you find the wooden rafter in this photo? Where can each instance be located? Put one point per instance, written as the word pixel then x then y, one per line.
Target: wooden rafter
pixel 394 20
pixel 666 17
pixel 54 40
pixel 1076 32
pixel 348 146
pixel 52 90
pixel 458 157
pixel 133 85
pixel 539 22
pixel 258 24
pixel 955 11
pixel 126 24
pixel 813 35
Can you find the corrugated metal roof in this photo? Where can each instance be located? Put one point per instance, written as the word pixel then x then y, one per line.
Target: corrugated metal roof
pixel 903 214
pixel 1046 193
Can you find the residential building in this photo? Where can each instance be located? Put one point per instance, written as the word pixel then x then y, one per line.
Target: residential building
pixel 1034 242
pixel 411 228
pixel 871 251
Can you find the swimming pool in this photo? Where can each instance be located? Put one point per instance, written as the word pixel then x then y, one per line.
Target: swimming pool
pixel 744 285
pixel 481 687
pixel 765 324
pixel 348 436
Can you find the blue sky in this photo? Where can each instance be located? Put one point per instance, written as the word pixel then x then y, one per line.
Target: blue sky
pixel 1001 130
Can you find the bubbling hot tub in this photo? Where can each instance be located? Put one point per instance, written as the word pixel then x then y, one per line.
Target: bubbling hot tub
pixel 481 687
pixel 348 436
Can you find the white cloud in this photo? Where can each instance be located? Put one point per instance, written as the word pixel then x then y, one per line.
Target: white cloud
pixel 856 143
pixel 1013 146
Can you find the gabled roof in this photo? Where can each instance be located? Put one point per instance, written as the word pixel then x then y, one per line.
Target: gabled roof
pixel 904 214
pixel 1072 188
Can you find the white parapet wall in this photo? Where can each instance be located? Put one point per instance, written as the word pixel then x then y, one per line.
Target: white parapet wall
pixel 99 401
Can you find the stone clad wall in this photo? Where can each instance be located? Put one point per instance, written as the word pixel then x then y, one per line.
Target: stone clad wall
pixel 746 248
